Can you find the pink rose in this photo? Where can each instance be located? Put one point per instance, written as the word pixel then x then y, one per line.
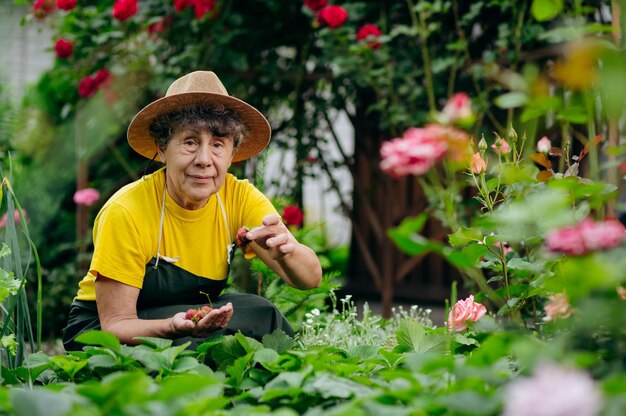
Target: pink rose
pixel 557 307
pixel 601 235
pixel 567 240
pixel 465 311
pixel 501 146
pixel 16 218
pixel 552 390
pixel 63 48
pixel 586 236
pixel 332 16
pixel 292 215
pixel 315 5
pixel 86 196
pixel 458 110
pixel 544 145
pixel 180 5
pixel 420 149
pixel 66 4
pixel 478 164
pixel 124 9
pixel 203 7
pixel 42 8
pixel 368 32
pixel 87 87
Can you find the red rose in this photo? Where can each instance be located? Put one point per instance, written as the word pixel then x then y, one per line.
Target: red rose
pixel 42 8
pixel 292 215
pixel 87 87
pixel 101 77
pixel 66 4
pixel 63 48
pixel 367 32
pixel 180 5
pixel 202 7
pixel 333 16
pixel 124 9
pixel 315 5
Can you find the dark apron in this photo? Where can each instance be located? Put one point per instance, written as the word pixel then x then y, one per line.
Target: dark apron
pixel 169 289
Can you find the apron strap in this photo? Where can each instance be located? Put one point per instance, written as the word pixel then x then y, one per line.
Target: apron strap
pixel 158 253
pixel 219 201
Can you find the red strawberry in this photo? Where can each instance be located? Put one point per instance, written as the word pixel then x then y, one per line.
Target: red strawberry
pixel 190 313
pixel 242 241
pixel 205 310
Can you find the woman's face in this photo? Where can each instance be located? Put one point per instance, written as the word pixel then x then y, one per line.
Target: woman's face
pixel 197 162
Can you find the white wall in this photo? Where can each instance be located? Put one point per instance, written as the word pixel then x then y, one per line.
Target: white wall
pixel 25 50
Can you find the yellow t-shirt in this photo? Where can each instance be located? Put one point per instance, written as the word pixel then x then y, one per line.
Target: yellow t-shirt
pixel 126 231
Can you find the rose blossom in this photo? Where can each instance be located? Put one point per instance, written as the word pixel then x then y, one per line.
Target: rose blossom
pixel 419 149
pixel 180 5
pixel 415 153
pixel 87 87
pixel 621 292
pixel 586 236
pixel 16 218
pixel 202 7
pixel 66 4
pixel 42 8
pixel 567 240
pixel 465 311
pixel 315 5
pixel 292 215
pixel 601 235
pixel 501 146
pixel 478 164
pixel 367 32
pixel 333 16
pixel 63 48
pixel 552 391
pixel 557 307
pixel 124 9
pixel 544 145
pixel 458 109
pixel 86 196
pixel 102 78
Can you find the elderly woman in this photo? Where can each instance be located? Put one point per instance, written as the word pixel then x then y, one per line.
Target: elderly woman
pixel 163 244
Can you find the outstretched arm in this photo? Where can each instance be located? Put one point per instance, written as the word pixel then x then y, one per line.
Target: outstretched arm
pixel 294 262
pixel 117 312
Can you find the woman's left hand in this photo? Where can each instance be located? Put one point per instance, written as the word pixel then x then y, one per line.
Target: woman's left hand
pixel 274 237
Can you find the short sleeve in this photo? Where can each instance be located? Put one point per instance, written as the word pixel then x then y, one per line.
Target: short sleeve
pixel 119 248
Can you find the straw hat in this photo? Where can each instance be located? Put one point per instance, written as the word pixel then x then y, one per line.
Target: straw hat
pixel 200 87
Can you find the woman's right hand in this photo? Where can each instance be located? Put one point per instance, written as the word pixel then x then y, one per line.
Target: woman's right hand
pixel 212 321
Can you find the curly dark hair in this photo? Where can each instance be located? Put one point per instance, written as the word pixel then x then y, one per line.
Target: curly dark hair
pixel 220 120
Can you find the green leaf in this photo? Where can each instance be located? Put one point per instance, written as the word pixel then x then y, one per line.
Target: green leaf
pixel 412 336
pixel 39 401
pixel 278 340
pixel 156 343
pixel 179 385
pixel 102 338
pixel 265 356
pixel 544 10
pixel 573 114
pixel 5 250
pixel 9 285
pixel 330 386
pixel 512 99
pixel 101 360
pixel 474 252
pixel 465 235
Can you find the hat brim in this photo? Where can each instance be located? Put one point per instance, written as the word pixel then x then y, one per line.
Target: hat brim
pixel 256 138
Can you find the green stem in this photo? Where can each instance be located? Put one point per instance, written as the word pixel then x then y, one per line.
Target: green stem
pixel 419 22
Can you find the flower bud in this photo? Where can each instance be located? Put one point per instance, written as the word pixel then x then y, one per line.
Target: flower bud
pixel 482 144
